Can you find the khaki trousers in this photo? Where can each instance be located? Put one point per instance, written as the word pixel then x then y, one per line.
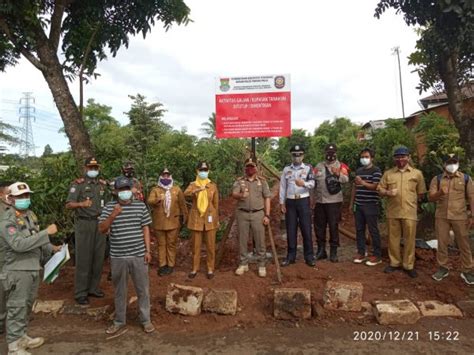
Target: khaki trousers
pixel 254 221
pixel 210 240
pixel 398 227
pixel 461 233
pixel 167 246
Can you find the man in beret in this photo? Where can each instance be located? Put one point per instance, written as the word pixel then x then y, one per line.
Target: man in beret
pixel 295 184
pixel 403 185
pixel 452 191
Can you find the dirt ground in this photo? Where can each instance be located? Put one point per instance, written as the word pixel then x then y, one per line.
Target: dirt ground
pixel 253 329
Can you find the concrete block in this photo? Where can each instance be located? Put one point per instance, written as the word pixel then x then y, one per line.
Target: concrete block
pixel 292 303
pixel 48 306
pixel 396 312
pixel 220 301
pixel 438 309
pixel 343 296
pixel 185 300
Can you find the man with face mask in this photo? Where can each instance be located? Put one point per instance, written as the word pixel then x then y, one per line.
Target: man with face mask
pixel 253 212
pixel 86 198
pixel 169 207
pixel 365 202
pixel 452 191
pixel 330 174
pixel 295 184
pixel 203 218
pixel 4 204
pixel 128 223
pixel 128 170
pixel 403 185
pixel 26 248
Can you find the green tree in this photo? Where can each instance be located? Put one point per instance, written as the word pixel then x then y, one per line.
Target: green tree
pixel 88 30
pixel 282 152
pixel 444 53
pixel 7 135
pixel 147 128
pixel 47 150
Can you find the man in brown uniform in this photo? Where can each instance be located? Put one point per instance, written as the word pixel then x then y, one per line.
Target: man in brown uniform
pixel 403 185
pixel 203 218
pixel 452 190
pixel 168 204
pixel 253 211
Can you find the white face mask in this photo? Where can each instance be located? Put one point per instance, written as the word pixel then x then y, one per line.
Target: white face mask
pixel 365 161
pixel 452 168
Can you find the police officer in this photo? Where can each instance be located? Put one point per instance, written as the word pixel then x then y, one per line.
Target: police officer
pixel 295 183
pixel 26 248
pixel 253 211
pixel 86 198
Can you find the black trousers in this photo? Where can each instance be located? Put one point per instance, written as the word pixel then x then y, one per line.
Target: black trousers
pixel 327 214
pixel 298 213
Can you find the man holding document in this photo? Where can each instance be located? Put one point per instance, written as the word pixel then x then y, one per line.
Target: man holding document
pixel 26 249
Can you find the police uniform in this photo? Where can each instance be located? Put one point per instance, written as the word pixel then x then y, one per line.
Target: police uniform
pixel 89 243
pixel 26 250
pixel 250 213
pixel 298 210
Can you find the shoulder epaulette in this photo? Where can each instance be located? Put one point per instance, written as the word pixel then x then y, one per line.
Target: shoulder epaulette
pixel 261 178
pixel 241 178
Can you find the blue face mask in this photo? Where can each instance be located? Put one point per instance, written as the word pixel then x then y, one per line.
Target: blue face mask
pixel 93 173
pixel 125 195
pixel 22 204
pixel 203 174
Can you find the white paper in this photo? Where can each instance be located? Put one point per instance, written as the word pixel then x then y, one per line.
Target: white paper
pixel 58 259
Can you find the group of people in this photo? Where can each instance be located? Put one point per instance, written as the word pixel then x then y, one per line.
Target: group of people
pixel 403 186
pixel 304 191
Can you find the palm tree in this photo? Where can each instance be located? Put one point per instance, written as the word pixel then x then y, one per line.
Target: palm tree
pixel 209 127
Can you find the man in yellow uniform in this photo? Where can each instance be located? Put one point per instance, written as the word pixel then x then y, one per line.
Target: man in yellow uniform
pixel 451 191
pixel 403 185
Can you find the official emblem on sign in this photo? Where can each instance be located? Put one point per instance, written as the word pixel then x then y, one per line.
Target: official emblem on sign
pixel 279 82
pixel 225 86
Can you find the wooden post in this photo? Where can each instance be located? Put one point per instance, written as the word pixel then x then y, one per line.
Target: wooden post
pixel 227 230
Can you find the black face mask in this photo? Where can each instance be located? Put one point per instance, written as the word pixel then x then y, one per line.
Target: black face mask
pixel 330 157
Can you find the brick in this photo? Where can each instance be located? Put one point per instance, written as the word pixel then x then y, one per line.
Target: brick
pixel 48 306
pixel 438 309
pixel 98 312
pixel 185 300
pixel 292 303
pixel 220 301
pixel 343 296
pixel 396 312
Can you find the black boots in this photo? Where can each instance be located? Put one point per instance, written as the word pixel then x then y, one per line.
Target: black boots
pixel 333 255
pixel 321 254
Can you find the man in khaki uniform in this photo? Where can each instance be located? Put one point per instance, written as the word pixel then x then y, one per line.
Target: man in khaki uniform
pixel 168 204
pixel 403 185
pixel 253 211
pixel 203 219
pixel 26 249
pixel 451 191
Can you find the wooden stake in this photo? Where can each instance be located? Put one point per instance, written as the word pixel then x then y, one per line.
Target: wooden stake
pixel 275 256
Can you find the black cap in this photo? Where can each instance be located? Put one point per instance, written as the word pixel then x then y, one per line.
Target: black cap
pixel 202 165
pixel 91 162
pixel 122 182
pixel 250 161
pixel 451 158
pixel 165 171
pixel 297 148
pixel 331 147
pixel 128 165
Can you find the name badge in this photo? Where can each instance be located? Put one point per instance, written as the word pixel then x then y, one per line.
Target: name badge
pixel 209 219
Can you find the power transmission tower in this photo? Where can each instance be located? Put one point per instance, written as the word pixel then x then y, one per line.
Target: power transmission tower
pixel 396 51
pixel 27 112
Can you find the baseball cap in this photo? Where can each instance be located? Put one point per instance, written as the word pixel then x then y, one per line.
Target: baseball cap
pixel 122 182
pixel 401 151
pixel 451 158
pixel 19 188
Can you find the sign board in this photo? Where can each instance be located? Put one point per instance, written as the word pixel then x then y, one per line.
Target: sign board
pixel 253 106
